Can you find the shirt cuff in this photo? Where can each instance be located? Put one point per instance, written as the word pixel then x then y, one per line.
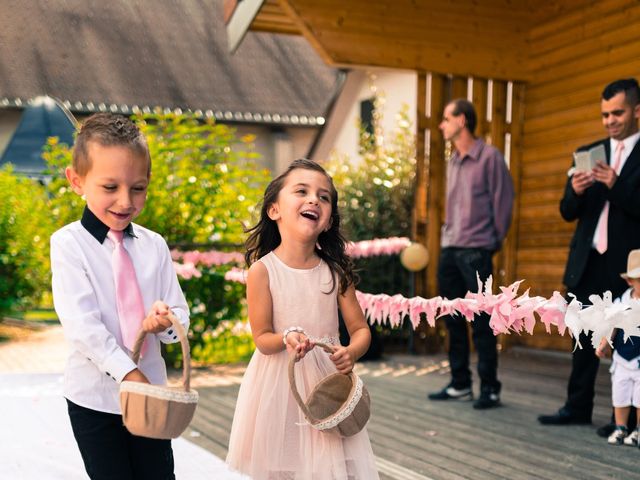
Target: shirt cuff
pixel 169 335
pixel 118 365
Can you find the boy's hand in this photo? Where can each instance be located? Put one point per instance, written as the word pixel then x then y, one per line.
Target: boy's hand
pixel 299 343
pixel 343 359
pixel 135 375
pixel 603 348
pixel 157 320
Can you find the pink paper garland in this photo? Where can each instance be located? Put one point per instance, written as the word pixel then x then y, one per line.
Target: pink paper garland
pixel 508 311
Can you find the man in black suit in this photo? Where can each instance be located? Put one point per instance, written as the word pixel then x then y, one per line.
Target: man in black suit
pixel 606 203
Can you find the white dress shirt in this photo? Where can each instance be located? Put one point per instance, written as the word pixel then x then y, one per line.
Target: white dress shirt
pixel 629 145
pixel 84 299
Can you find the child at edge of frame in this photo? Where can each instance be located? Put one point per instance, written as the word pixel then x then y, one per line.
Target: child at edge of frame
pixel 625 363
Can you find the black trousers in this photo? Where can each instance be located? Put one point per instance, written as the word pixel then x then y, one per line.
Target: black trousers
pixel 585 363
pixel 456 276
pixel 110 452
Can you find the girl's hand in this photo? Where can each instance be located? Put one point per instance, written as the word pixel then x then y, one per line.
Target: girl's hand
pixel 603 348
pixel 157 319
pixel 343 359
pixel 299 343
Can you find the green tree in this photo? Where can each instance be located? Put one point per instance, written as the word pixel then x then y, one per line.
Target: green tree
pixel 204 181
pixel 377 191
pixel 205 185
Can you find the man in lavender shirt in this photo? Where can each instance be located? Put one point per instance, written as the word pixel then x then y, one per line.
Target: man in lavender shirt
pixel 478 214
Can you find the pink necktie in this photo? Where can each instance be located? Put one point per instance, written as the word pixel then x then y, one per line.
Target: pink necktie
pixel 603 222
pixel 128 297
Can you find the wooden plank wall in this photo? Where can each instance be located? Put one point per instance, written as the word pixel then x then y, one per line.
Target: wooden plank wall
pixel 463 37
pixel 572 58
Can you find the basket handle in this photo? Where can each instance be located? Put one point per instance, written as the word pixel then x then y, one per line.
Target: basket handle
pixel 294 387
pixel 186 356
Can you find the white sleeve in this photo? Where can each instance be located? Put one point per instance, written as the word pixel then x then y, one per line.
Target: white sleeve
pixel 171 294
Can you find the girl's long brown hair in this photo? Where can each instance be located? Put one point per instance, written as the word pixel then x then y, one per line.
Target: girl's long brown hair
pixel 265 237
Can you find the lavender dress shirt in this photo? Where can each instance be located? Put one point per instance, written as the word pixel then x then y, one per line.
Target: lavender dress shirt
pixel 479 199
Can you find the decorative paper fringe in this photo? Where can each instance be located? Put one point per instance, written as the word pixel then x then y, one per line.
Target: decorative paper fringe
pixel 508 312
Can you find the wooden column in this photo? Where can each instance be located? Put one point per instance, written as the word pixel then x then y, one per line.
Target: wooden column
pixel 419 217
pixel 479 100
pixel 510 247
pixel 436 188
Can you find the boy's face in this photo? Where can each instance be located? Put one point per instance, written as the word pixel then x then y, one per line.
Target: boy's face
pixel 115 187
pixel 635 284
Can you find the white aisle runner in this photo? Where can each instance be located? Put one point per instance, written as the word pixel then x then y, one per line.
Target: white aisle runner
pixel 37 442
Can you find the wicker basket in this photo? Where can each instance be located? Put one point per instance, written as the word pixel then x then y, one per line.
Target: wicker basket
pixel 159 411
pixel 339 403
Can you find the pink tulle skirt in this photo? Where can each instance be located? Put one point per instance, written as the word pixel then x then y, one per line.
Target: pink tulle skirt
pixel 270 439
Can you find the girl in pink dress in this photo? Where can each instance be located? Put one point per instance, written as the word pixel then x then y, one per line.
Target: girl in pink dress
pixel 299 276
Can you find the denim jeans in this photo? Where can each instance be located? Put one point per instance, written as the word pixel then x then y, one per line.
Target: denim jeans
pixel 456 276
pixel 110 452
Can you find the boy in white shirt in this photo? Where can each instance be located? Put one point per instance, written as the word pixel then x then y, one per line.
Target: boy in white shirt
pixel 625 366
pixel 111 170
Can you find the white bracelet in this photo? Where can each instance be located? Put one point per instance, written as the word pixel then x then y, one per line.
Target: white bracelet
pixel 287 331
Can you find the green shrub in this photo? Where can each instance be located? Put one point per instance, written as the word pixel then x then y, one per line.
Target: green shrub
pixel 204 181
pixel 376 198
pixel 215 304
pixel 25 225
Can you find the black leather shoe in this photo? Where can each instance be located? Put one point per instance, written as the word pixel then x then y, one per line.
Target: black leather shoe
pixel 606 430
pixel 488 399
pixel 563 417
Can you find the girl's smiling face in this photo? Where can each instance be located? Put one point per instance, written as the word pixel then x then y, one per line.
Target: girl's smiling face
pixel 115 187
pixel 303 206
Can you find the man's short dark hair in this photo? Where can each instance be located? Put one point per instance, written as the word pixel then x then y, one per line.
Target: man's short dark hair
pixel 629 86
pixel 462 106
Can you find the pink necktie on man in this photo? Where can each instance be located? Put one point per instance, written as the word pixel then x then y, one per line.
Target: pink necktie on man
pixel 129 303
pixel 603 222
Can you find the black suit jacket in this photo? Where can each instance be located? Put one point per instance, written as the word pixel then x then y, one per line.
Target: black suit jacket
pixel 623 223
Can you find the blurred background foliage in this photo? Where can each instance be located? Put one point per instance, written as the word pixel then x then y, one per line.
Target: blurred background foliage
pixel 205 187
pixel 25 226
pixel 204 181
pixel 376 196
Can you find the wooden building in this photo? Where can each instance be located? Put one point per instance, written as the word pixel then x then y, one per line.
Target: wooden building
pixel 535 71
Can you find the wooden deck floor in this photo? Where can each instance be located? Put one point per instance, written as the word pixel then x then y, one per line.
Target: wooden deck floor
pixel 414 438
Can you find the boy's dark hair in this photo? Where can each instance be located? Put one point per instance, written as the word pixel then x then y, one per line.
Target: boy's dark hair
pixel 265 237
pixel 629 86
pixel 107 129
pixel 462 106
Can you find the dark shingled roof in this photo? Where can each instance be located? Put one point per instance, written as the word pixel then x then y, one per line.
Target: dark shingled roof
pixel 114 55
